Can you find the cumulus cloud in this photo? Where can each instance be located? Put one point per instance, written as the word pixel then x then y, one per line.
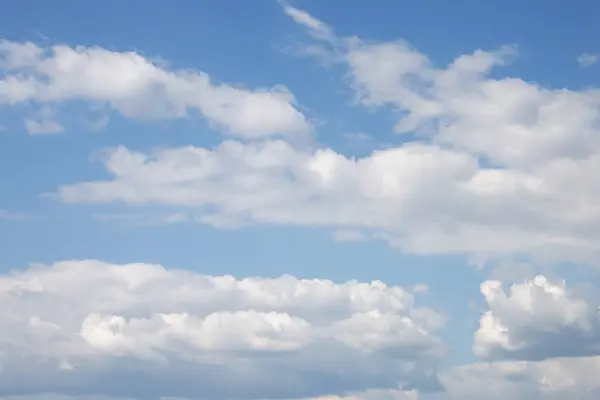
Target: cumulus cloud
pixel 79 322
pixel 501 166
pixel 139 88
pixel 421 198
pixel 316 27
pixel 538 319
pixel 511 122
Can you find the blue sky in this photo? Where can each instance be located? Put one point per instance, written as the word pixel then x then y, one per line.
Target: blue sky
pixel 492 183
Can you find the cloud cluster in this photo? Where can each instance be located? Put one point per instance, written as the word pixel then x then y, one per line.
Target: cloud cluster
pixel 421 198
pixel 140 88
pixel 547 333
pixel 79 322
pixel 499 165
pixel 160 333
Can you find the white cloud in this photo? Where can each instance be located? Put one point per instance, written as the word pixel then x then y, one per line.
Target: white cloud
pixel 173 334
pixel 316 27
pixel 422 198
pixel 138 88
pixel 538 319
pixel 75 322
pixel 504 166
pixel 44 123
pixel 511 122
pixel 587 60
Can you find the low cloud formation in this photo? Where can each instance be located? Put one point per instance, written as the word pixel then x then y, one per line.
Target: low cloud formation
pixel 78 322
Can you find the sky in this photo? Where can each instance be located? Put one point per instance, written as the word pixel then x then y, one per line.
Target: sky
pixel 385 200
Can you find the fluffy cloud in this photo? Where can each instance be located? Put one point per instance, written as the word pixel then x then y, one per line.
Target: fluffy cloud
pixel 79 322
pixel 139 88
pixel 500 166
pixel 507 121
pixel 538 319
pixel 421 198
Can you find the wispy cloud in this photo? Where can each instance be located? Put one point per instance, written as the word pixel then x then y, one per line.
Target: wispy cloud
pixel 587 60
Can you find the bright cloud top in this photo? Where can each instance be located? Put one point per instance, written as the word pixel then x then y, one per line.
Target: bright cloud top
pixel 175 333
pixel 421 198
pixel 283 338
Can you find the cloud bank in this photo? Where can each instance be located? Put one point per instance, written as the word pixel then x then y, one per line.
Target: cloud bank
pixel 78 322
